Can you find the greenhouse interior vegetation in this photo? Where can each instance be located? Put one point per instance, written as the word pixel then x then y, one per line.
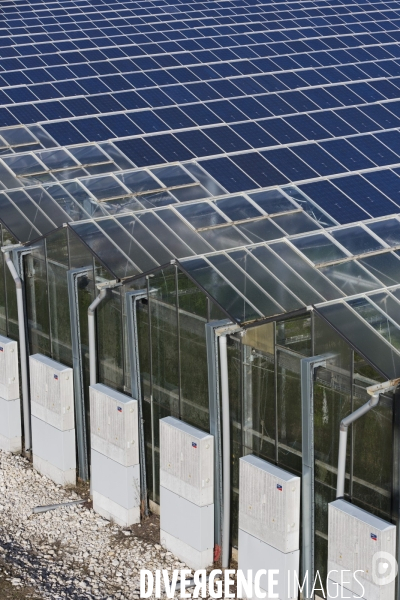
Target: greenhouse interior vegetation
pixel 229 165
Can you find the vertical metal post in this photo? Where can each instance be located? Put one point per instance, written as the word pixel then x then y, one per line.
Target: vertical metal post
pixel 276 398
pixel 179 343
pixel 308 365
pixel 48 298
pixel 80 417
pixel 212 330
pixel 246 380
pixel 153 452
pixel 396 477
pixel 136 389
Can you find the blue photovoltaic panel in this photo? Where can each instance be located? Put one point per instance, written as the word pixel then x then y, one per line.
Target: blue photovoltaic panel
pixel 262 94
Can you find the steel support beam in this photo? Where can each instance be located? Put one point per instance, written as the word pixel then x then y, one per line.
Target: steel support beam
pixel 213 330
pixel 131 300
pixel 73 275
pixel 308 365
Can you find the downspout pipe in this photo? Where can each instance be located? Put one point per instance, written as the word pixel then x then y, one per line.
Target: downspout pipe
pixel 226 451
pixel 22 351
pixel 92 335
pixel 374 391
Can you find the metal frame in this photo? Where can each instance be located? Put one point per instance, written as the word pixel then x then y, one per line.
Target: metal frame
pixel 396 477
pixel 213 330
pixel 307 367
pixel 80 418
pixel 131 299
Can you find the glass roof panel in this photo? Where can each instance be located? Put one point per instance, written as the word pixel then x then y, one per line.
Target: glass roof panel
pixel 294 223
pixel 237 208
pixel 31 212
pixel 387 304
pixel 15 221
pixel 318 248
pixel 278 293
pixel 272 201
pixel 377 320
pixel 305 294
pixel 201 215
pixel 224 294
pixel 104 188
pixel 107 252
pixel 385 267
pixel 388 230
pixel 356 240
pixel 246 286
pixel 128 245
pixel 362 337
pixel 139 181
pixel 351 278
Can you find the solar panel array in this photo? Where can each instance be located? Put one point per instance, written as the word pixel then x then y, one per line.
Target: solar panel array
pixel 97 99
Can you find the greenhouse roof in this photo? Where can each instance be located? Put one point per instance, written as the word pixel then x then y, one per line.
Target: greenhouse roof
pixel 255 143
pixel 371 324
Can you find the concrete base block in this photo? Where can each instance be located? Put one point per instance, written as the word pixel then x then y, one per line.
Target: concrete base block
pixel 13 445
pixel 57 475
pixel 255 555
pixel 192 524
pixel 53 452
pixel 119 484
pixel 115 512
pixel 10 425
pixel 192 557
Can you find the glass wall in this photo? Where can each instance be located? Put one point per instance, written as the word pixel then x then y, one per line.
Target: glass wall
pixel 173 358
pixel 264 372
pixel 265 399
pixel 8 300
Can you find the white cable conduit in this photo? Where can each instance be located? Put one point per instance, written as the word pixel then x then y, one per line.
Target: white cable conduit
pixel 92 335
pixel 22 351
pixel 374 391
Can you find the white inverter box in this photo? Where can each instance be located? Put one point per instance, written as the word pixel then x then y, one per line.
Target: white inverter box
pixel 114 425
pixel 187 492
pixel 9 376
pixel 269 503
pixel 357 544
pixel 52 392
pixel 269 524
pixel 187 461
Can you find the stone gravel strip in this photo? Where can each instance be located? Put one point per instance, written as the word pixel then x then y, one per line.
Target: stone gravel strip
pixel 69 553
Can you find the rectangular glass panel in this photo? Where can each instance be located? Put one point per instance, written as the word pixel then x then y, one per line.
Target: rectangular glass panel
pixel 356 240
pixel 388 230
pixel 127 244
pixel 363 338
pixel 241 282
pixel 318 248
pixel 351 278
pixel 378 320
pixel 272 201
pixel 313 277
pixel 287 276
pixel 104 249
pixel 387 304
pixel 220 290
pixel 165 235
pixel 150 243
pixel 385 267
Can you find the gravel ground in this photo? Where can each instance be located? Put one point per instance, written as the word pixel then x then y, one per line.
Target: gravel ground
pixel 69 553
